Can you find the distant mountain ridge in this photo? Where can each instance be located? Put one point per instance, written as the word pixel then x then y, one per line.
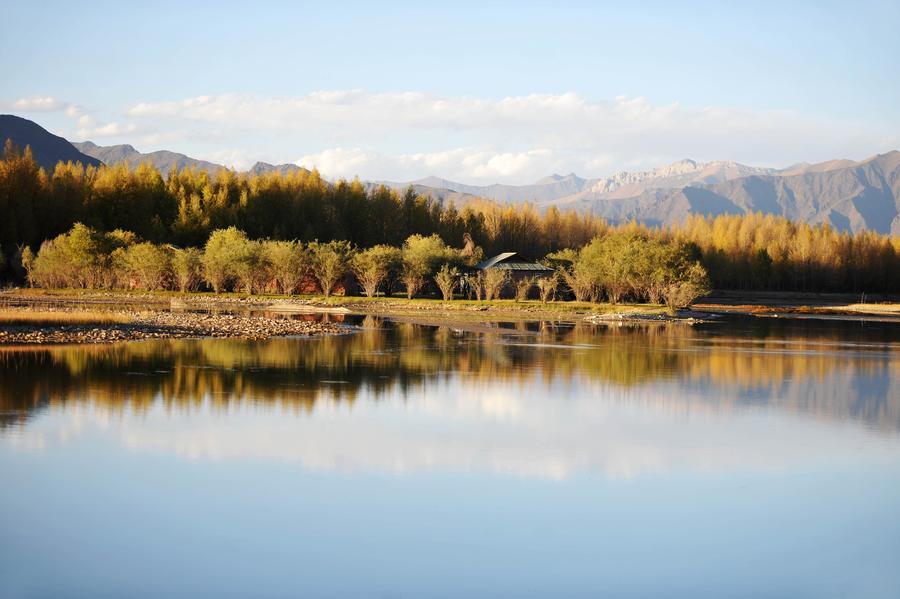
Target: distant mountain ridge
pixel 163 160
pixel 848 195
pixel 261 168
pixel 46 148
pixel 548 188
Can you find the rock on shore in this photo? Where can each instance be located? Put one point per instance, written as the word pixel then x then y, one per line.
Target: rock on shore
pixel 166 325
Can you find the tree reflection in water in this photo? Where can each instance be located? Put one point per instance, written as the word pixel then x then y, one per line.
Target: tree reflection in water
pixel 827 370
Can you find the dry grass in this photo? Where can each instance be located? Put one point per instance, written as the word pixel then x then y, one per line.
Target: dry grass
pixel 875 308
pixel 13 317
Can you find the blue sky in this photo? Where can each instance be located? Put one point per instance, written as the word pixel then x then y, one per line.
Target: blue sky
pixel 473 91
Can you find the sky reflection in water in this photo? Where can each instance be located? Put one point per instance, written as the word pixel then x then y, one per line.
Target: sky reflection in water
pixel 746 459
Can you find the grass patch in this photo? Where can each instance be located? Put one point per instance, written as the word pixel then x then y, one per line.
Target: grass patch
pixel 886 308
pixel 495 308
pixel 394 303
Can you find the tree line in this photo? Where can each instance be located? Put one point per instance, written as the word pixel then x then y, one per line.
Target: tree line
pixel 612 267
pixel 627 356
pixel 184 208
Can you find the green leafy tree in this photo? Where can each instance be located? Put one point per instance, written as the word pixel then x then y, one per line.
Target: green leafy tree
pixel 329 263
pixel 251 269
pixel 421 259
pixel 684 278
pixel 187 267
pixel 148 264
pixel 26 259
pixel 224 249
pixel 373 266
pixel 289 263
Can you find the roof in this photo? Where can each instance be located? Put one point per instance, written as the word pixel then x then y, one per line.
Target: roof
pixel 511 261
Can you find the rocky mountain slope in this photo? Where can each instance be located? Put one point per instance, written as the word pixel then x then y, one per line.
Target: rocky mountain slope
pixel 850 196
pixel 163 160
pixel 261 168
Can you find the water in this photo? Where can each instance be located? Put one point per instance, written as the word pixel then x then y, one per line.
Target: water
pixel 752 458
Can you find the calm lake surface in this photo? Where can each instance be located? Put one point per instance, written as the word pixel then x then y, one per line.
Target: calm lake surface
pixel 749 458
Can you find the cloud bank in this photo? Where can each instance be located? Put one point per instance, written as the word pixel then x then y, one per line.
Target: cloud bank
pixel 408 135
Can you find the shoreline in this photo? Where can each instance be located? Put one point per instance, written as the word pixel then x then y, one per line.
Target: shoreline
pixel 161 315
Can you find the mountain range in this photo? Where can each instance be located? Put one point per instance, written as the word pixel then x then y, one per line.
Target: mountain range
pixel 164 160
pixel 848 195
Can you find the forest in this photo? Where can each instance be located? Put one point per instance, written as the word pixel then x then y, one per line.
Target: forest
pixel 118 220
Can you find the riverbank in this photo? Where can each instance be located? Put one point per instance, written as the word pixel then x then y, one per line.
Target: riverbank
pixel 147 315
pixel 381 306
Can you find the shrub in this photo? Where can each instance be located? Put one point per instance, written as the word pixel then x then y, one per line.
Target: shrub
pixel 447 278
pixel 493 280
pixel 72 259
pixel 476 284
pixel 523 287
pixel 547 287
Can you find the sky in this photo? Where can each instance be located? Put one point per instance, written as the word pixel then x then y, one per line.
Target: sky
pixel 476 92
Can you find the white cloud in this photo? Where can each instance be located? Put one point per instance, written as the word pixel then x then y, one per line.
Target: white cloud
pixel 408 135
pixel 601 429
pixel 340 162
pixel 237 159
pixel 88 128
pixel 358 110
pixel 39 104
pixel 470 163
pixel 86 124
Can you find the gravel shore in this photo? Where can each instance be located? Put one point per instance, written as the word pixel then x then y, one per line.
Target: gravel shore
pixel 166 325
